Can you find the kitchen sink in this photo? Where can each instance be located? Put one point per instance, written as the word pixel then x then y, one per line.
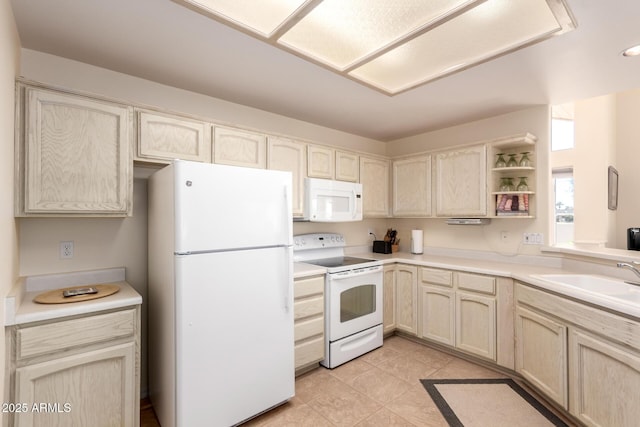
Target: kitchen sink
pixel 610 287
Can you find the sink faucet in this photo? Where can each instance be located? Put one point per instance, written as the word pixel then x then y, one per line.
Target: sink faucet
pixel 631 266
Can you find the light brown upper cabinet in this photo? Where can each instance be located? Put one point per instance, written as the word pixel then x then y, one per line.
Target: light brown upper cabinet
pixel 239 147
pixel 461 182
pixel 374 177
pixel 289 155
pixel 73 155
pixel 347 166
pixel 327 163
pixel 320 162
pixel 163 138
pixel 411 182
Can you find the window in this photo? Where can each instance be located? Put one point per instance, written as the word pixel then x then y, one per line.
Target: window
pixel 563 197
pixel 561 134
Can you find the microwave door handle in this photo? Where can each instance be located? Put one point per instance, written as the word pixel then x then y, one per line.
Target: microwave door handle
pixel 354 212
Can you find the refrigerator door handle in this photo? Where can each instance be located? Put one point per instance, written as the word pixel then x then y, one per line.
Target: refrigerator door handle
pixel 288 284
pixel 288 218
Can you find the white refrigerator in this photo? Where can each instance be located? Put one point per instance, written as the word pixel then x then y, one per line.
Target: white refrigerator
pixel 220 295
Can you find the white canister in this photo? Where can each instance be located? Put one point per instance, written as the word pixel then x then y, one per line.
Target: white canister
pixel 416 241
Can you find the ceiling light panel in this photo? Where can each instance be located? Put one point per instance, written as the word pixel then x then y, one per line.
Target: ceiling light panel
pixel 486 31
pixel 394 45
pixel 262 17
pixel 342 33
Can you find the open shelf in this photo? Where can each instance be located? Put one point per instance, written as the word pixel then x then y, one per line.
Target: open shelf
pixel 516 144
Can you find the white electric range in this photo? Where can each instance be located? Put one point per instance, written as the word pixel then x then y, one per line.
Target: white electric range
pixel 353 296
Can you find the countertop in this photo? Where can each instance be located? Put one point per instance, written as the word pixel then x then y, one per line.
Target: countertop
pixel 20 308
pixel 301 269
pixel 520 271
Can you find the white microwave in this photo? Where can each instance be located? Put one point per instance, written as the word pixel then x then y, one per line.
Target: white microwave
pixel 332 201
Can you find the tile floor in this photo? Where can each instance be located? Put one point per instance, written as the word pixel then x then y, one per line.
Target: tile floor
pixel 381 388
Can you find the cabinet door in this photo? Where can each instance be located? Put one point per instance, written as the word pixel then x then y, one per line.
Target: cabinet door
pixel 604 381
pixel 347 166
pixel 541 353
pixel 98 387
pixel 374 177
pixel 438 314
pixel 476 324
pixel 389 299
pixel 239 147
pixel 461 182
pixel 288 155
pixel 320 161
pixel 77 155
pixel 162 138
pixel 407 298
pixel 412 187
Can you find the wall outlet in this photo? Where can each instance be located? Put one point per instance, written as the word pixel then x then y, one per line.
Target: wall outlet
pixel 533 238
pixel 371 234
pixel 66 250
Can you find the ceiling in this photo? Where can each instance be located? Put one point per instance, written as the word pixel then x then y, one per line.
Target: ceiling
pixel 163 41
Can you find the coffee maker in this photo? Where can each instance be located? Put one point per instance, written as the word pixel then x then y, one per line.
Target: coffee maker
pixel 633 239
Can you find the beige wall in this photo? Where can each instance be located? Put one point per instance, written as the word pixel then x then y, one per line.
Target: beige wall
pixel 627 163
pixel 535 120
pixel 9 65
pixel 594 152
pixel 607 132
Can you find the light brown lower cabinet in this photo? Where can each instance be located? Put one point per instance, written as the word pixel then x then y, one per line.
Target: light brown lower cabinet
pixel 585 358
pixel 541 353
pixel 406 287
pixel 604 381
pixel 308 313
pixel 82 371
pixel 461 310
pixel 389 299
pixel 438 319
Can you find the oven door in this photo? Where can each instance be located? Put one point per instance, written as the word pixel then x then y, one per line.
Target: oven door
pixel 354 301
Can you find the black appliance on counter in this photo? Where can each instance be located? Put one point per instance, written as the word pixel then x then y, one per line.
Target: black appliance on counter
pixel 633 239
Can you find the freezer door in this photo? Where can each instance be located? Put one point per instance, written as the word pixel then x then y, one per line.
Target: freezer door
pixel 219 207
pixel 234 335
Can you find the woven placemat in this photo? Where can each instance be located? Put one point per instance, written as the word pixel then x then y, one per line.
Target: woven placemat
pixel 56 297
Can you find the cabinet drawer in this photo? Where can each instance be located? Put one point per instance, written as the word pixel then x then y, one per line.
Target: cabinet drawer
pixel 437 277
pixel 308 307
pixel 306 287
pixel 477 283
pixel 308 327
pixel 52 337
pixel 309 352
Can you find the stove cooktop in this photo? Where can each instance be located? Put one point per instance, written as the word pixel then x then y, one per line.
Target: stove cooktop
pixel 345 261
